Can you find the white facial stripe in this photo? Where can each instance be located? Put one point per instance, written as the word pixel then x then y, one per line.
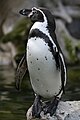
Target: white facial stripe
pixel 30 14
pixel 45 19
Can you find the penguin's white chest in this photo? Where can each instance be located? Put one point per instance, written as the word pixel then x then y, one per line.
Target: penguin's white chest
pixel 45 78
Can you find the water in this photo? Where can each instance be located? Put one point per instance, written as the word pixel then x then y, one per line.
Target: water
pixel 14 104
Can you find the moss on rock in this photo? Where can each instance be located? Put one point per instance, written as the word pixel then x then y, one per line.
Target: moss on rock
pixel 18 35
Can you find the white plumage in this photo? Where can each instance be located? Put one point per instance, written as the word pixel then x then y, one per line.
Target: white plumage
pixel 45 78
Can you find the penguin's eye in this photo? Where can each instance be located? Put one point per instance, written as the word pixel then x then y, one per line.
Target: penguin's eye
pixel 34 12
pixel 36 15
pixel 33 15
pixel 33 9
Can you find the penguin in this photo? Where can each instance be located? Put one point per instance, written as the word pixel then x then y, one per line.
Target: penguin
pixel 44 60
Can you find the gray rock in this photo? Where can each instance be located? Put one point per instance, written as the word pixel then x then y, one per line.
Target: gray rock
pixel 7 54
pixel 73 116
pixel 69 110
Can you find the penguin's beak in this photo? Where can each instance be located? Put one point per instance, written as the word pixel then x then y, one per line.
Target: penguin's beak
pixel 25 12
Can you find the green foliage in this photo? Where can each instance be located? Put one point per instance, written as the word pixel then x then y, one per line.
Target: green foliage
pixel 70 49
pixel 18 35
pixel 74 74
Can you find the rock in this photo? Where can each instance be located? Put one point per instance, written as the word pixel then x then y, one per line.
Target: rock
pixel 68 110
pixel 66 42
pixel 7 54
pixel 9 24
pixel 73 116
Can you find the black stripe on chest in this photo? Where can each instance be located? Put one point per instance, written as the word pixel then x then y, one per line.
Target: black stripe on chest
pixel 38 33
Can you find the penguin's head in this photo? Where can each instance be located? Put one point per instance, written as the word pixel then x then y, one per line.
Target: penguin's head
pixel 34 14
pixel 39 15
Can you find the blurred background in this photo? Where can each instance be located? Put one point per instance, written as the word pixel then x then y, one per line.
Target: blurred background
pixel 13 39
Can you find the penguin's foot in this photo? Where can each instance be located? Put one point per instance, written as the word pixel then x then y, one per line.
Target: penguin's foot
pixel 37 107
pixel 51 106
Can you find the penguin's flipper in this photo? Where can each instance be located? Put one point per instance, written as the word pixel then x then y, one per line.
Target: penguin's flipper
pixel 20 72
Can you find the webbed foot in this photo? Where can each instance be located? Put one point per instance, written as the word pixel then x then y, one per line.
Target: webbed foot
pixel 37 107
pixel 51 106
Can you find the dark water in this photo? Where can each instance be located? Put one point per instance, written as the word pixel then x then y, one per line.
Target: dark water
pixel 14 104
